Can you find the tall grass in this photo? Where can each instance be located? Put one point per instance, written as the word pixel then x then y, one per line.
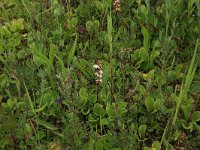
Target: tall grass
pixel 186 85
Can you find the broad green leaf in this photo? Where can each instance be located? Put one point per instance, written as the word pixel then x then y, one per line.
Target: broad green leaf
pixel 148 148
pixel 142 130
pixel 187 107
pixel 146 36
pixel 90 26
pixel 156 145
pixel 74 22
pixel 98 109
pixel 83 92
pixel 196 116
pixel 99 145
pixel 110 110
pixel 99 5
pixel 149 103
pixel 83 97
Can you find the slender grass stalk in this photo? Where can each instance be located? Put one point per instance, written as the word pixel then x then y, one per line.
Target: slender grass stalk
pixel 185 86
pixel 163 140
pixel 33 110
pixel 30 101
pixel 97 91
pixel 109 28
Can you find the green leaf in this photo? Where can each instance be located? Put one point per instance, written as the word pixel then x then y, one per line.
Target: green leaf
pixel 48 98
pixel 187 107
pixel 195 88
pixel 52 52
pixel 156 145
pixel 74 22
pixel 154 54
pixel 46 124
pixel 81 67
pixel 98 109
pixel 62 65
pixel 196 116
pixel 83 93
pixel 109 110
pixel 83 97
pixel 185 126
pixel 99 145
pixel 104 121
pixel 42 58
pixel 146 36
pixel 147 148
pixel 72 51
pixel 41 108
pixel 190 3
pixel 9 104
pixel 142 130
pixel 149 103
pixel 89 26
pixel 99 5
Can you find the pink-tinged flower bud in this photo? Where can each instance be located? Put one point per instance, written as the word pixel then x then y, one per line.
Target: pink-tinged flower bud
pixel 116 6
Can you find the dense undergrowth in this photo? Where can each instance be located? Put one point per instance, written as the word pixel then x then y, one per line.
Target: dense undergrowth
pixel 144 95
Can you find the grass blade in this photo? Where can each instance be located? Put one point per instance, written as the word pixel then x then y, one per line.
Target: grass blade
pixel 30 101
pixel 185 87
pixel 71 53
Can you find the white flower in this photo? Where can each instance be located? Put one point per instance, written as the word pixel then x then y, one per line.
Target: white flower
pixel 96 74
pixel 99 81
pixel 96 67
pixel 100 76
pixel 100 72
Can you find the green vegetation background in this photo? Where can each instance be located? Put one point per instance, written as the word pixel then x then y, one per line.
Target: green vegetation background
pixel 150 91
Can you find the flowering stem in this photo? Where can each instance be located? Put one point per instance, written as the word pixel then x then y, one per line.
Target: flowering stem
pixel 109 28
pixel 97 91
